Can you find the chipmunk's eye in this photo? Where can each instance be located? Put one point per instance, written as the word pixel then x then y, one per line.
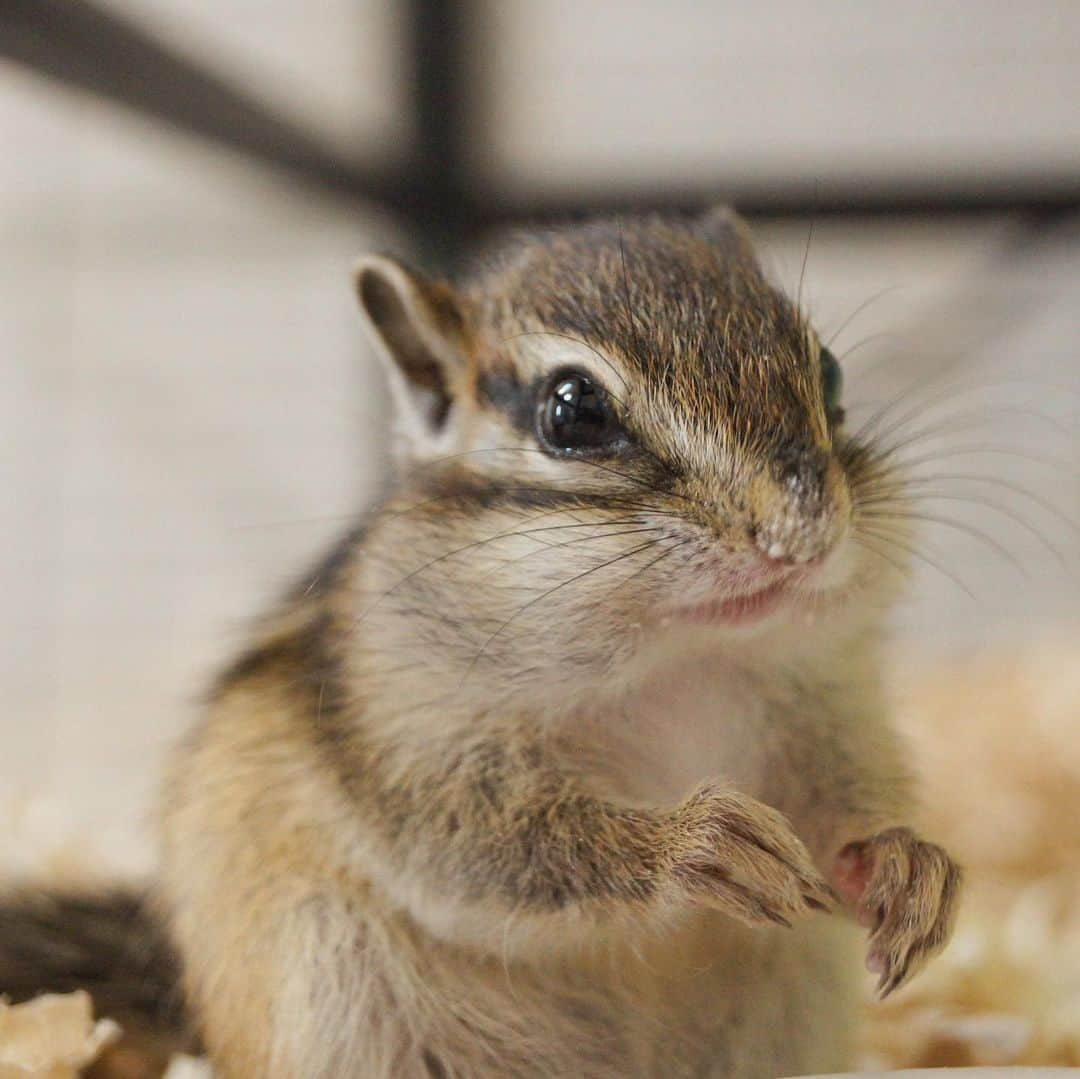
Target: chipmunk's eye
pixel 575 414
pixel 832 383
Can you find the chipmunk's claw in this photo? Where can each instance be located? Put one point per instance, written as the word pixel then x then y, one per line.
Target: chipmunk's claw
pixel 741 856
pixel 905 891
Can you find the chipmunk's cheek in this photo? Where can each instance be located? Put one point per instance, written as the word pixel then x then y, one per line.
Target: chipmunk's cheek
pixel 837 568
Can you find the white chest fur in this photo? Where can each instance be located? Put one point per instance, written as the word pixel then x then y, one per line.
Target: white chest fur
pixel 818 747
pixel 693 721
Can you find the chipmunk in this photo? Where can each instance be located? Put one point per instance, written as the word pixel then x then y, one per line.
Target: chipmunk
pixel 573 758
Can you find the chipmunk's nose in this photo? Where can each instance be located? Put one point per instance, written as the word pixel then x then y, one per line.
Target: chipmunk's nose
pixel 801 471
pixel 784 549
pixel 800 506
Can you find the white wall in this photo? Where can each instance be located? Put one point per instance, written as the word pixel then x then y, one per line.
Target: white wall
pixel 931 95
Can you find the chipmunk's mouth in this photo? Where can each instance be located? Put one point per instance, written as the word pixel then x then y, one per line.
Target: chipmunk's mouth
pixel 743 609
pixel 749 594
pixel 792 596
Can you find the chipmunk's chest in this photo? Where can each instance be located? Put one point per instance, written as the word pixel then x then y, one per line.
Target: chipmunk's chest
pixel 704 720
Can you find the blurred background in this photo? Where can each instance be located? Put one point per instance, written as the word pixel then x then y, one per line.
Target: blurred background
pixel 188 412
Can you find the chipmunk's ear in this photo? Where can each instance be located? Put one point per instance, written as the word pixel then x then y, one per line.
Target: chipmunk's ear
pixel 417 328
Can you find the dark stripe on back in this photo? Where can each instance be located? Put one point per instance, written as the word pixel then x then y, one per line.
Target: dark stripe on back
pixel 305 662
pixel 327 571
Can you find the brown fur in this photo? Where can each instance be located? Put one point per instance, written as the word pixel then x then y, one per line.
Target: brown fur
pixel 472 805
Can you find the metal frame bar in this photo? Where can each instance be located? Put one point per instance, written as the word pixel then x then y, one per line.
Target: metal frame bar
pixel 438 54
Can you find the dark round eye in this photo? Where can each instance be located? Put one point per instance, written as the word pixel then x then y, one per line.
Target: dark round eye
pixel 832 382
pixel 575 414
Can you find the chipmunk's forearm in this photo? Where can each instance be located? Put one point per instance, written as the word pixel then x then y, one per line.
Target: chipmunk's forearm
pixel 487 825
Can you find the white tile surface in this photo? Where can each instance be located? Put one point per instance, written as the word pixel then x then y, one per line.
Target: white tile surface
pixel 781 93
pixel 186 415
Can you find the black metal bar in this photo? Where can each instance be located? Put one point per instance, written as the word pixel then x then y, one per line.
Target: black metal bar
pixel 84 46
pixel 444 211
pixel 1050 200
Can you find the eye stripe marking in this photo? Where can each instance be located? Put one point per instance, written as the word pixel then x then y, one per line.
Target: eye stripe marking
pixel 506 394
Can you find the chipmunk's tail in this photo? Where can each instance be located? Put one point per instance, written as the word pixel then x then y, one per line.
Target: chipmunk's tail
pixel 111 944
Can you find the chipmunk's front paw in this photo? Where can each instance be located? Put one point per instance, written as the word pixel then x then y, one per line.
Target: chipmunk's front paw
pixel 741 856
pixel 905 891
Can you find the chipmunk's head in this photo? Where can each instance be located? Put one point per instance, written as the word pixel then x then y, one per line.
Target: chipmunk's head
pixel 613 432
